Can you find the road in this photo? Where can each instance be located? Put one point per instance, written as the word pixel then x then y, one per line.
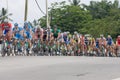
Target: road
pixel 59 68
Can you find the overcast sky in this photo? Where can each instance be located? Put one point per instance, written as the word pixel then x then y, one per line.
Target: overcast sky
pixel 17 8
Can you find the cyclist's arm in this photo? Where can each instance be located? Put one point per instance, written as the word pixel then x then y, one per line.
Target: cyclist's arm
pixel 59 34
pixel 10 26
pixel 116 42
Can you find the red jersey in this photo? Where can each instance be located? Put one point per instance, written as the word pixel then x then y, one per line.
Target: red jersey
pixel 6 26
pixel 118 41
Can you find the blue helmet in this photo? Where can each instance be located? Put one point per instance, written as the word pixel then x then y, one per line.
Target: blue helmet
pixel 26 23
pixel 16 24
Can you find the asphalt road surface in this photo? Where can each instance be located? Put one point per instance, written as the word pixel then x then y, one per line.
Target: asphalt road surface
pixel 59 68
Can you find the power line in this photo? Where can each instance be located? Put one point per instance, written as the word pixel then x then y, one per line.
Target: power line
pixel 39 7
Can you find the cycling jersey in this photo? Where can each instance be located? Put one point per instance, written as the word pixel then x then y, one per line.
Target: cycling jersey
pixel 92 40
pixel 28 34
pixel 86 41
pixel 55 33
pixel 39 33
pixel 69 35
pixel 109 41
pixel 44 35
pixel 102 41
pixel 82 40
pixel 65 37
pixel 118 41
pixel 17 32
pixel 48 34
pixel 75 37
pixel 27 25
pixel 6 27
pixel 97 44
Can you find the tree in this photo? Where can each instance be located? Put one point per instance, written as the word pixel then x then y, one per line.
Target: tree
pixel 101 17
pixel 67 17
pixel 74 2
pixel 4 15
pixel 99 10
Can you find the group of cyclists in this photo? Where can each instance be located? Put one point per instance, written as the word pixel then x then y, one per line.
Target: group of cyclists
pixel 27 40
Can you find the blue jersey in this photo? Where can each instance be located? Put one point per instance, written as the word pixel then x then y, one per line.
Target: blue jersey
pixel 66 39
pixel 5 32
pixel 109 41
pixel 97 44
pixel 28 34
pixel 28 25
pixel 17 32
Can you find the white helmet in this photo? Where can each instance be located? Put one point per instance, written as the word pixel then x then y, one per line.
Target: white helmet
pixel 68 32
pixel 6 20
pixel 38 26
pixel 101 35
pixel 109 36
pixel 75 32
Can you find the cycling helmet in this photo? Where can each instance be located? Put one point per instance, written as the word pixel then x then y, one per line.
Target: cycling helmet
pixel 101 35
pixel 109 36
pixel 25 23
pixel 16 24
pixel 6 20
pixel 75 32
pixel 68 32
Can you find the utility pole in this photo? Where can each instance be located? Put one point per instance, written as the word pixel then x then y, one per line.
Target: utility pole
pixel 26 10
pixel 7 4
pixel 7 8
pixel 47 17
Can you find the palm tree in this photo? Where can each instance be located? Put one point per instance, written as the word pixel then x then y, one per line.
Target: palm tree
pixel 75 2
pixel 4 15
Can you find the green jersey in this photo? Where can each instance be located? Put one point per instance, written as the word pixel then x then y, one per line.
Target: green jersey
pixel 55 33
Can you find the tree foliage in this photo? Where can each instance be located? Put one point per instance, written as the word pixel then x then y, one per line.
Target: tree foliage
pixel 99 17
pixel 74 2
pixel 4 15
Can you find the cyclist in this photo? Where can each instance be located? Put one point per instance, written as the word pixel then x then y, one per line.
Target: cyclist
pixel 76 37
pixel 6 27
pixel 48 34
pixel 102 40
pixel 118 45
pixel 109 44
pixel 27 31
pixel 16 31
pixel 56 32
pixel 69 36
pixel 97 46
pixel 109 40
pixel 65 38
pixel 44 34
pixel 82 44
pixel 102 44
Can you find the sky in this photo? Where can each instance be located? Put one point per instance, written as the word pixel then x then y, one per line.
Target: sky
pixel 17 8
